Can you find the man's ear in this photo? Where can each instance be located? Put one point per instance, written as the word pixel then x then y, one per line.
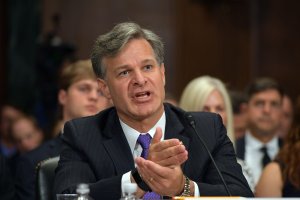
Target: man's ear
pixel 62 97
pixel 103 88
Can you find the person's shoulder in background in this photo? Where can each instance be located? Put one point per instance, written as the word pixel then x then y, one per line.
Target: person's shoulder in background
pixel 26 167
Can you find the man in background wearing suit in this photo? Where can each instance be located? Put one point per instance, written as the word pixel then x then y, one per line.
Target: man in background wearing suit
pixel 261 143
pixel 109 150
pixel 79 96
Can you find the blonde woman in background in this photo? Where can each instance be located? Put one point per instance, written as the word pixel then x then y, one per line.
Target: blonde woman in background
pixel 209 94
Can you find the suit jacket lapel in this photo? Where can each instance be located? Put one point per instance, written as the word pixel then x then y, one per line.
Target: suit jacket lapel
pixel 117 146
pixel 175 128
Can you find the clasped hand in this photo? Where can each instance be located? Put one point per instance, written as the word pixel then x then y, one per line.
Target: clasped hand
pixel 162 171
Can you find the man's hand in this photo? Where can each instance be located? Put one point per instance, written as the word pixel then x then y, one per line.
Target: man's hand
pixel 161 171
pixel 162 180
pixel 169 153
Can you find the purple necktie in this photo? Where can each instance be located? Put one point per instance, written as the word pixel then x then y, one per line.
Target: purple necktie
pixel 144 141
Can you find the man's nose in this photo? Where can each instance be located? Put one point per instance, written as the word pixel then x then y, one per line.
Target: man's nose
pixel 139 78
pixel 94 94
pixel 267 108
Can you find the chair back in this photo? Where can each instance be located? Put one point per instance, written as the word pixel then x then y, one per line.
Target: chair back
pixel 45 178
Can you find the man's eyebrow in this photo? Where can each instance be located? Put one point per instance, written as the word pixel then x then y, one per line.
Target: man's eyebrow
pixel 121 67
pixel 147 61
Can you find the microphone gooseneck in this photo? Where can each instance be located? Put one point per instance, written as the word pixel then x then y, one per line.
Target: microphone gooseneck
pixel 191 121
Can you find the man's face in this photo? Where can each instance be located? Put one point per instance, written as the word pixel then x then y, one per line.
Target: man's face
pixel 83 98
pixel 264 112
pixel 135 82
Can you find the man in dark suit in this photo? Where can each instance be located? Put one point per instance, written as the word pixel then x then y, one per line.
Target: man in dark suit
pixel 103 150
pixel 78 96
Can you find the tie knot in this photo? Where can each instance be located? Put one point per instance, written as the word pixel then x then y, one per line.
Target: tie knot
pixel 144 140
pixel 264 149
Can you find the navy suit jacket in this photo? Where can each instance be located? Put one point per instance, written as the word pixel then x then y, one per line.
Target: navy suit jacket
pixel 95 151
pixel 26 168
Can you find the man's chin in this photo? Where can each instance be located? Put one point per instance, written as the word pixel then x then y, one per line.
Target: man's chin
pixel 86 114
pixel 145 113
pixel 267 131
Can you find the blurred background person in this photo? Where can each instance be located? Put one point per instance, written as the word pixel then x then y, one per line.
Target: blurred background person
pixel 209 94
pixel 53 53
pixel 79 96
pixel 8 149
pixel 9 113
pixel 26 134
pixel 281 178
pixel 261 143
pixel 239 104
pixel 287 116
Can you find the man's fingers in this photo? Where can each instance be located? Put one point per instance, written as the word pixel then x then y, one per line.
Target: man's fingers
pixel 157 136
pixel 171 151
pixel 165 144
pixel 174 160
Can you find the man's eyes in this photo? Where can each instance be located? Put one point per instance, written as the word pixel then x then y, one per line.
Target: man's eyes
pixel 272 104
pixel 144 68
pixel 124 73
pixel 84 89
pixel 259 103
pixel 148 67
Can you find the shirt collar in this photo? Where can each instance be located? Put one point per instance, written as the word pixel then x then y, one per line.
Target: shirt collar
pixel 257 144
pixel 132 135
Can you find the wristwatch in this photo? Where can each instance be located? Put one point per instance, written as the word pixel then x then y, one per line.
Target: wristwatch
pixel 187 188
pixel 139 181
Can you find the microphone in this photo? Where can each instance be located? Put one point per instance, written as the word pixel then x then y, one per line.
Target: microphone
pixel 191 121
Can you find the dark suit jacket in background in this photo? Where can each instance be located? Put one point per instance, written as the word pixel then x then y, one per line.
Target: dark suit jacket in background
pixel 7 188
pixel 26 168
pixel 95 151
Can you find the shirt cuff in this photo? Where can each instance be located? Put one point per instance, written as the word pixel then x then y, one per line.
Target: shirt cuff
pixel 125 179
pixel 196 190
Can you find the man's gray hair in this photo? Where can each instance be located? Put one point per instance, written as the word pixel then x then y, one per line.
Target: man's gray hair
pixel 111 43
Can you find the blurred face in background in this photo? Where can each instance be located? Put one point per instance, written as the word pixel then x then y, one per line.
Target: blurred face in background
pixel 8 115
pixel 215 103
pixel 26 135
pixel 287 116
pixel 83 98
pixel 264 113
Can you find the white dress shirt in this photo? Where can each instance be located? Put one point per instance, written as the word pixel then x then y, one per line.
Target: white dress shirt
pixel 253 154
pixel 136 149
